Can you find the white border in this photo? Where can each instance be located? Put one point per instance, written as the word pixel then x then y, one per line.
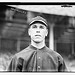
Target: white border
pixel 20 73
pixel 37 0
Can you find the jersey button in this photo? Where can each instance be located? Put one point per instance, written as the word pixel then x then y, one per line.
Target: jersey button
pixel 39 57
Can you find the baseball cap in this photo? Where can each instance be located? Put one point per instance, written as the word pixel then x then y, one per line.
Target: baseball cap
pixel 38 19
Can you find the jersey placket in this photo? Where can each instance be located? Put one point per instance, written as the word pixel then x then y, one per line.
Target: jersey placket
pixel 38 60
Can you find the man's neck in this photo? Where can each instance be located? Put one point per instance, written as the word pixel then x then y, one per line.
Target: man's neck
pixel 38 45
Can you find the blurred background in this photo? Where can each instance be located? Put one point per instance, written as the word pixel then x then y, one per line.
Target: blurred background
pixel 14 37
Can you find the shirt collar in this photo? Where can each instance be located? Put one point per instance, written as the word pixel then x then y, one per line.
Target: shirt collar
pixel 34 48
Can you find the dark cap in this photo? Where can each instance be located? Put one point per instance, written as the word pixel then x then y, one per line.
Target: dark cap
pixel 38 19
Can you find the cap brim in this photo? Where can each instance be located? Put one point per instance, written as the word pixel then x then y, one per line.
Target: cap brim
pixel 39 21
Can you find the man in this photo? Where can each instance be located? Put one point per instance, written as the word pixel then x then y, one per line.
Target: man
pixel 37 56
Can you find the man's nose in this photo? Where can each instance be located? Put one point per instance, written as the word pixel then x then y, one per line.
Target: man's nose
pixel 37 31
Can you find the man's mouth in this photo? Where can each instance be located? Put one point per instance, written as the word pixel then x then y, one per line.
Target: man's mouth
pixel 37 35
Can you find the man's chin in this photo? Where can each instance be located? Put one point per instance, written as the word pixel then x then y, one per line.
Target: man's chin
pixel 36 41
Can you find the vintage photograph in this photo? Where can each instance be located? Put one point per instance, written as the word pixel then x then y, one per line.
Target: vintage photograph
pixel 37 38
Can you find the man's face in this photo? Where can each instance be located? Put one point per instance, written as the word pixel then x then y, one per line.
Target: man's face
pixel 37 32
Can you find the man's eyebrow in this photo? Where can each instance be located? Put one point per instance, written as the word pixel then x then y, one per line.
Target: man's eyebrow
pixel 34 25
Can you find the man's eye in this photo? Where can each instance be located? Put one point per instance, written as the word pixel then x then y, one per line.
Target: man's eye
pixel 42 27
pixel 34 26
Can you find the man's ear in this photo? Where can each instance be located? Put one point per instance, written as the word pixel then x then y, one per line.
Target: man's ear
pixel 46 32
pixel 29 32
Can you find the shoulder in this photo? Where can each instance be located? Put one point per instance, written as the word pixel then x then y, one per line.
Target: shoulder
pixel 54 54
pixel 23 53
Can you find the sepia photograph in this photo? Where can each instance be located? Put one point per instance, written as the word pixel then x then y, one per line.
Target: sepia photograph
pixel 37 38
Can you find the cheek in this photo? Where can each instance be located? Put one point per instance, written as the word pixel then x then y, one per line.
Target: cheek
pixel 44 33
pixel 31 33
